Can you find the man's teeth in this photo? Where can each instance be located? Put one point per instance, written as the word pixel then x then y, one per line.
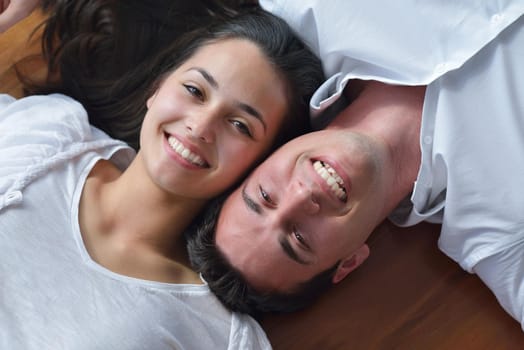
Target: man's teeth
pixel 184 152
pixel 331 177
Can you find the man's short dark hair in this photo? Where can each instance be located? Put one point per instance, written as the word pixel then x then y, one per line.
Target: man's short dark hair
pixel 229 285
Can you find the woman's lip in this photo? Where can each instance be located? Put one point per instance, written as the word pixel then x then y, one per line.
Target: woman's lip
pixel 340 171
pixel 193 149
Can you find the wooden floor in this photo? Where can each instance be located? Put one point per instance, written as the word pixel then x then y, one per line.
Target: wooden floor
pixel 15 44
pixel 408 295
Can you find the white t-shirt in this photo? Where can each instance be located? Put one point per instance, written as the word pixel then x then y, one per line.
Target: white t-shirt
pixel 470 54
pixel 52 294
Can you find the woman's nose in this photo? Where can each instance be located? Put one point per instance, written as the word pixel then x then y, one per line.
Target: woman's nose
pixel 200 127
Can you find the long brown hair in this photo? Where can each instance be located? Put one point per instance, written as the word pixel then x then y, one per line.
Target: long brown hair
pixel 110 55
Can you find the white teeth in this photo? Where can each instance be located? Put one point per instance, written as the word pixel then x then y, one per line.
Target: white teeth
pixel 331 177
pixel 185 153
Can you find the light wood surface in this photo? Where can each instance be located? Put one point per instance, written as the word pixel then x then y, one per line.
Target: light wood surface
pixel 16 43
pixel 408 295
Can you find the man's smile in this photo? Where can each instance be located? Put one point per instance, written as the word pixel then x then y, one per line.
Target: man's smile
pixel 332 178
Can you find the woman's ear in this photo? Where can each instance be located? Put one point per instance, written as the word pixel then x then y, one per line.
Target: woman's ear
pixel 350 263
pixel 151 99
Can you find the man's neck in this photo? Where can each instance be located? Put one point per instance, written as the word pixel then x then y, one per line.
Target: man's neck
pixel 391 115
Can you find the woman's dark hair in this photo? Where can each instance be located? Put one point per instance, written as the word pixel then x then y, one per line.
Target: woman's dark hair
pixel 230 286
pixel 111 55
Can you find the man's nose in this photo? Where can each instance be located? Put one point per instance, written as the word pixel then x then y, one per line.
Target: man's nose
pixel 300 199
pixel 201 126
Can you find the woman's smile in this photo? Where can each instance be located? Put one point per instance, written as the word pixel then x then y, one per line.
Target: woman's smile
pixel 186 153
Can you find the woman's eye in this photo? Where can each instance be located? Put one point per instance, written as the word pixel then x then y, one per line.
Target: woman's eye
pixel 242 127
pixel 194 91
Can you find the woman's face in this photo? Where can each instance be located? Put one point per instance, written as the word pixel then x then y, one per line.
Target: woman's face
pixel 212 118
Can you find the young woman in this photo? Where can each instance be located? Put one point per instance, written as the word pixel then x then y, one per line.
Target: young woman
pixel 93 255
pixel 105 53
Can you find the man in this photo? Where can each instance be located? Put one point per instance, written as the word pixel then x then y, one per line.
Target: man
pixel 308 210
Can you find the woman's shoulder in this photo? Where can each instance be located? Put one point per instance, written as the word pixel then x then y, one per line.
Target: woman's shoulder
pixel 35 129
pixel 58 114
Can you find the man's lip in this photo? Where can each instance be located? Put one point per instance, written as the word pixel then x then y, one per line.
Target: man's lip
pixel 340 171
pixel 194 149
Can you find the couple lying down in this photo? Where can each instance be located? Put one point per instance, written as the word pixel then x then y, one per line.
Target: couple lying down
pixel 295 225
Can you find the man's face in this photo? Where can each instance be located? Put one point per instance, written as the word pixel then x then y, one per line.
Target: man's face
pixel 312 203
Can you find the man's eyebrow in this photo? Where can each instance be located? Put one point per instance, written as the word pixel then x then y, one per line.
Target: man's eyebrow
pixel 250 203
pixel 288 249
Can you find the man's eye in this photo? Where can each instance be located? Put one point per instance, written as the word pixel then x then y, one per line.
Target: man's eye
pixel 299 238
pixel 265 196
pixel 194 91
pixel 242 127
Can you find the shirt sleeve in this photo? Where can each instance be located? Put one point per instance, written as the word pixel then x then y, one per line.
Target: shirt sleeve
pixel 34 129
pixel 54 113
pixel 503 273
pixel 32 124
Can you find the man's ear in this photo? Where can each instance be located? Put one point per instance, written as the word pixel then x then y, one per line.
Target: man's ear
pixel 350 263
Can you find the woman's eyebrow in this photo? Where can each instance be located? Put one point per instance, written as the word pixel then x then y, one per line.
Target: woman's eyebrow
pixel 208 77
pixel 252 111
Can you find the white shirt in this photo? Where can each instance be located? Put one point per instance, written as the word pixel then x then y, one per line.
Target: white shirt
pixel 469 53
pixel 52 294
pixel 405 42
